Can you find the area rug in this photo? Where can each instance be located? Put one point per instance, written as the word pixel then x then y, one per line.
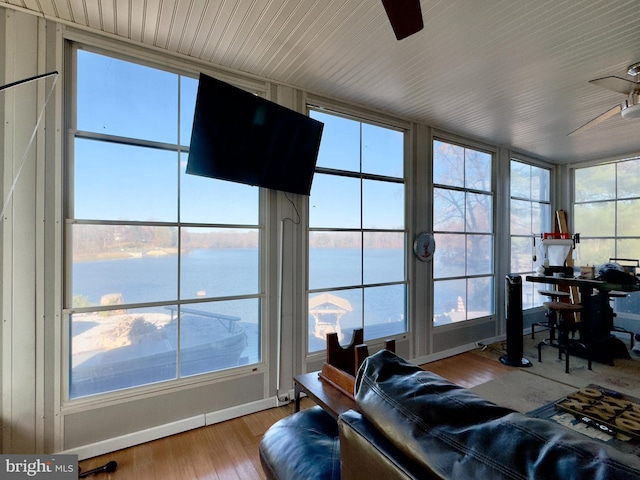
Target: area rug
pixel 528 388
pixel 522 391
pixel 592 412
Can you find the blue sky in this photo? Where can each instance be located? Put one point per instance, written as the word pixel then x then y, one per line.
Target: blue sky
pixel 123 182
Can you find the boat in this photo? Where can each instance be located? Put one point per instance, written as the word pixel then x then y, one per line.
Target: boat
pixel 208 342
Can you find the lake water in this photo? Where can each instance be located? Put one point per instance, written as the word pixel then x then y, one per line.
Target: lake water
pixel 229 272
pixel 107 343
pixel 102 343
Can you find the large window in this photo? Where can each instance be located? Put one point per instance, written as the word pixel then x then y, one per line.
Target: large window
pixel 530 210
pixel 357 236
pixel 606 206
pixel 463 230
pixel 162 277
pixel 607 201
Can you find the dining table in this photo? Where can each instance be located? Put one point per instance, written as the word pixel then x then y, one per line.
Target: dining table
pixel 596 317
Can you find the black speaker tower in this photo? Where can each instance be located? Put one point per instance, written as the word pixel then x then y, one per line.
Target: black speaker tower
pixel 513 294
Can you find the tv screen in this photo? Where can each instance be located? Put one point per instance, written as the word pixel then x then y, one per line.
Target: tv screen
pixel 240 137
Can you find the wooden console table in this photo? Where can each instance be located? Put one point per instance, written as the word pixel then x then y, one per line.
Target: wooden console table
pixel 327 396
pixel 332 387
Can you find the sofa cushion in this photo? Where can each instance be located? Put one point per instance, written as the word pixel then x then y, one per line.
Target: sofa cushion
pixel 460 435
pixel 304 445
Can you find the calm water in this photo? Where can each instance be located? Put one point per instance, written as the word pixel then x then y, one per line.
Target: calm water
pixel 228 272
pixel 211 273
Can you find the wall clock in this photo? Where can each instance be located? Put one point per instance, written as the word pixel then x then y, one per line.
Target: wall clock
pixel 424 246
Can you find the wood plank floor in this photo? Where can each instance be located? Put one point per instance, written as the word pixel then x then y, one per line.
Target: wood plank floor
pixel 229 450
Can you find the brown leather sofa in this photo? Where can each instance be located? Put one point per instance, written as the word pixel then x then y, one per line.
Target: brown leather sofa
pixel 413 424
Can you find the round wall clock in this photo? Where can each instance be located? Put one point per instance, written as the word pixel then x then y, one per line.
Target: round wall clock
pixel 423 246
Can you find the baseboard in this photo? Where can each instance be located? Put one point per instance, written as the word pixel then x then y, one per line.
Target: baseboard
pixel 136 438
pixel 241 410
pixel 455 351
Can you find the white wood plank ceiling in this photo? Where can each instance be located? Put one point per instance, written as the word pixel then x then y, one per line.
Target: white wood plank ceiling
pixel 508 72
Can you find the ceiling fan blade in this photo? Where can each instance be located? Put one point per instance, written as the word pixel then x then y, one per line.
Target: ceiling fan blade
pixel 617 84
pixel 599 119
pixel 405 17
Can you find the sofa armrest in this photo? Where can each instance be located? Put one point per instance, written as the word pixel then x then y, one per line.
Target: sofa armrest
pixel 366 453
pixel 304 445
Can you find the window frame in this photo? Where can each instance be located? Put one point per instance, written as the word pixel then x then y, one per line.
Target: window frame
pixel 625 307
pixel 491 193
pixel 181 147
pixel 536 299
pixel 326 107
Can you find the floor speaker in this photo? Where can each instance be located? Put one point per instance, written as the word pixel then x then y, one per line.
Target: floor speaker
pixel 513 298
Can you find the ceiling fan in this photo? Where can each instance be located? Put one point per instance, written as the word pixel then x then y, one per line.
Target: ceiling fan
pixel 405 17
pixel 629 108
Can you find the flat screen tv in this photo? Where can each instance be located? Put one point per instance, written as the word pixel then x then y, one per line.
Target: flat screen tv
pixel 240 137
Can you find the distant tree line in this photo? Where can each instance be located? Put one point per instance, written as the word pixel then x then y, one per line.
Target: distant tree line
pixel 92 240
pixel 356 240
pixel 89 240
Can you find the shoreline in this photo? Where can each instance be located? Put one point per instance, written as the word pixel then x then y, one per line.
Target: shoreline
pixel 161 252
pixel 123 255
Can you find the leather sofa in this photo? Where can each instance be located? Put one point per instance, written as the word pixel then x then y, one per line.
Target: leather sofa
pixel 413 424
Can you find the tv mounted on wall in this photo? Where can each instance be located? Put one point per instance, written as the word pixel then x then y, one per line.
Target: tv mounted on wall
pixel 240 137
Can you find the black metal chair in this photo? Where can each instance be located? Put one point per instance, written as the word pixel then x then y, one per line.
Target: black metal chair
pixel 566 326
pixel 555 295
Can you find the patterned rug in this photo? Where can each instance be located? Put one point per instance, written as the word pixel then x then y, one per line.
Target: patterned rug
pixel 592 412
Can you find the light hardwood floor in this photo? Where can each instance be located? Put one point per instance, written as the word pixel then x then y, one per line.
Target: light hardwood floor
pixel 229 450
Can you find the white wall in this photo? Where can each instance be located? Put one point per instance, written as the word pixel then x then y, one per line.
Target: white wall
pixel 25 361
pixel 30 234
